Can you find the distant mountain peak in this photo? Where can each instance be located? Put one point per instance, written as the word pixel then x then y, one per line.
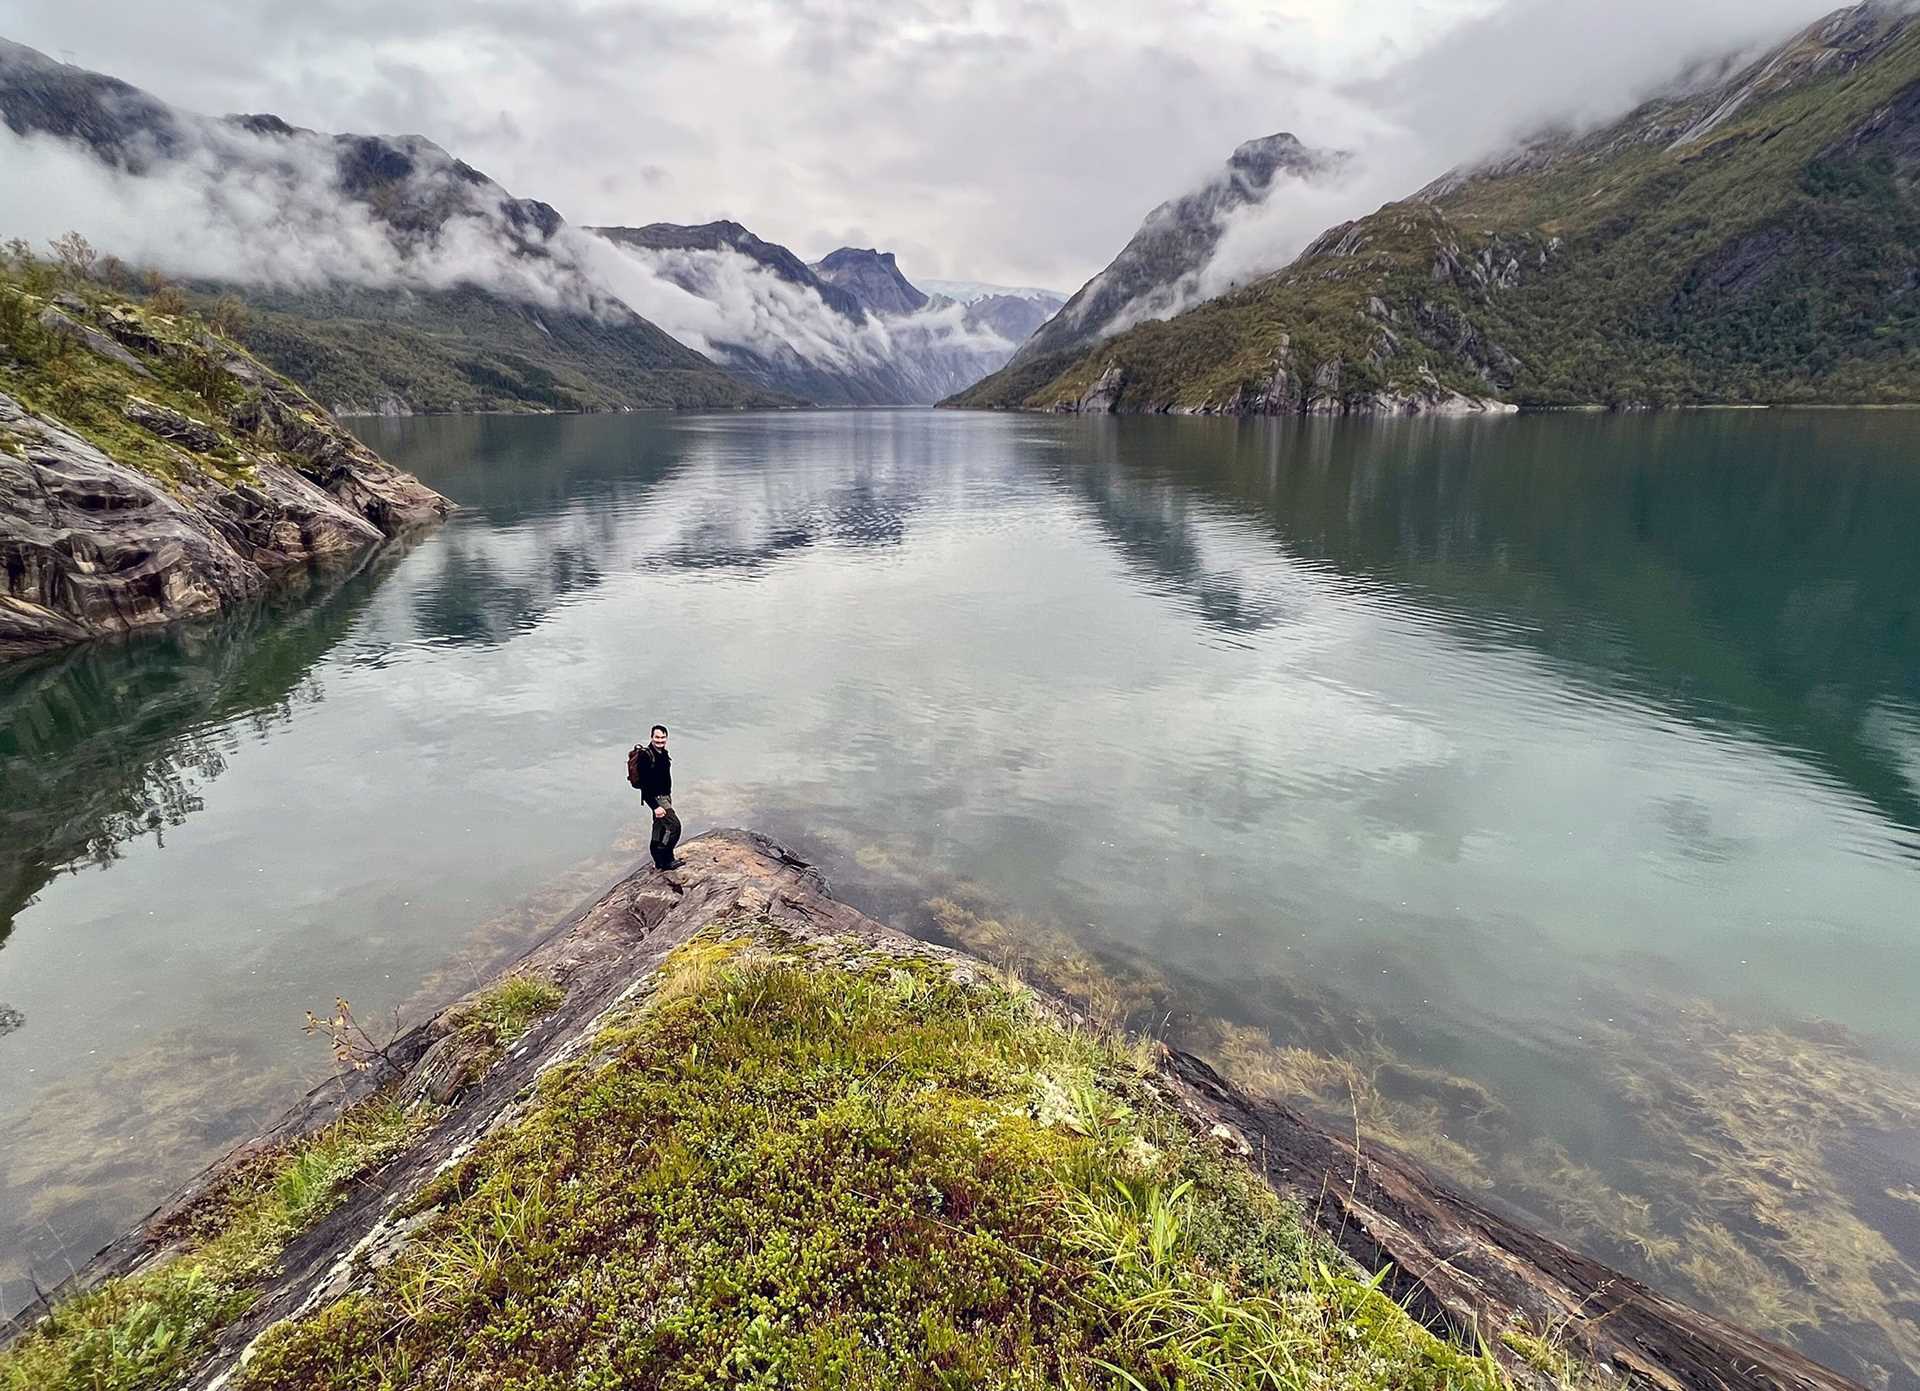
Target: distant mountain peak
pixel 873 277
pixel 728 235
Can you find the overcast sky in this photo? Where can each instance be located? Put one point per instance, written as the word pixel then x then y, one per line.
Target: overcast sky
pixel 1011 142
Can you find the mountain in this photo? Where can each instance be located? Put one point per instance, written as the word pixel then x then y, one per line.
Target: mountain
pixel 1161 269
pixel 850 330
pixel 731 236
pixel 1750 237
pixel 1014 315
pixel 151 470
pixel 388 276
pixel 385 273
pixel 873 278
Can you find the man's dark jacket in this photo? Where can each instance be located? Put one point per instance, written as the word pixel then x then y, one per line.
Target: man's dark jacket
pixel 656 774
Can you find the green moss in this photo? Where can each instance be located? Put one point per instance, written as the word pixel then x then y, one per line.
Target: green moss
pixel 86 392
pixel 789 1170
pixel 141 1330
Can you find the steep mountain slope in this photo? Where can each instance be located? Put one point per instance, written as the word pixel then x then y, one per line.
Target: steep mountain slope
pixel 1754 238
pixel 389 275
pixel 150 470
pixel 873 278
pixel 1161 269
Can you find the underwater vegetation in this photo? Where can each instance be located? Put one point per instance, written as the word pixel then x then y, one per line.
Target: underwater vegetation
pixel 1764 1172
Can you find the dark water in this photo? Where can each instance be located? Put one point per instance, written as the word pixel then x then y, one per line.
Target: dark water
pixel 1544 792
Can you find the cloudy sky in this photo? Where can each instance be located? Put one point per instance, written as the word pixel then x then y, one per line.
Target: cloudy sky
pixel 1018 142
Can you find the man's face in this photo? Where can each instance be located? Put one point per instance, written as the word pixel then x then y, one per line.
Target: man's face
pixel 660 738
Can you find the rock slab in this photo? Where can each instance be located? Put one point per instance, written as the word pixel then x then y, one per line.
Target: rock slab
pixel 1453 1263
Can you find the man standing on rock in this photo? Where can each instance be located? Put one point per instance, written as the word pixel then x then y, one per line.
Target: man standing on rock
pixel 650 768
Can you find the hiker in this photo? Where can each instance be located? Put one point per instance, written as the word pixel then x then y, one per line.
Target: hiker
pixel 650 768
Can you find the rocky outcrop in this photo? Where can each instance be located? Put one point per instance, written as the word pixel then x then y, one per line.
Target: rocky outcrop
pixel 1103 397
pixel 201 514
pixel 1447 1260
pixel 88 546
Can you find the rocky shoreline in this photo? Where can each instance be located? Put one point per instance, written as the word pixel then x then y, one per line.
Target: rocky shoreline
pixel 1287 394
pixel 1452 1264
pixel 151 471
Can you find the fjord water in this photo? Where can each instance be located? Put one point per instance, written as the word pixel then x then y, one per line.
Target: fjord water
pixel 1560 774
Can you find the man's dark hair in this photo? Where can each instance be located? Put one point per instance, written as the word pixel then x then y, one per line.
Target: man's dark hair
pixel 662 728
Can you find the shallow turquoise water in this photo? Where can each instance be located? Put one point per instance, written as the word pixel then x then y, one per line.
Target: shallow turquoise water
pixel 1507 745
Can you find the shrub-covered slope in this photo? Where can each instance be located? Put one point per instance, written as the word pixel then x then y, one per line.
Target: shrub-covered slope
pixel 371 352
pixel 1755 239
pixel 151 470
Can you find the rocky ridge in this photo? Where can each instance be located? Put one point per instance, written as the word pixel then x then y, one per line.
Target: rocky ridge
pixel 151 470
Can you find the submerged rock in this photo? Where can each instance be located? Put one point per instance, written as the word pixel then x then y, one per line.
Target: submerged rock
pixel 10 1019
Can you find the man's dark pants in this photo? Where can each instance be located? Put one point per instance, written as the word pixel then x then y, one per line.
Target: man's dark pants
pixel 666 833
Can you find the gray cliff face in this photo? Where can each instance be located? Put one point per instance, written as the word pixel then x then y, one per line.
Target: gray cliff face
pixel 91 545
pixel 1158 272
pixel 872 278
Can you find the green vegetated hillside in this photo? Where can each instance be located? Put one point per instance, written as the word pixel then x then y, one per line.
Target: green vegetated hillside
pixel 1756 240
pixel 469 349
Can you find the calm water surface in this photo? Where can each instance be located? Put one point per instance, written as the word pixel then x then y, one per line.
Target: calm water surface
pixel 1545 791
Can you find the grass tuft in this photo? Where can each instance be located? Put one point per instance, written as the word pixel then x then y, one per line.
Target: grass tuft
pixel 508 1010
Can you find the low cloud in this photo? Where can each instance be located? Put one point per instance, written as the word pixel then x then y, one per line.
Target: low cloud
pixel 269 210
pixel 1523 69
pixel 224 203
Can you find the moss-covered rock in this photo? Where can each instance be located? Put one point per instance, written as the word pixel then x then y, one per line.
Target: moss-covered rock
pixel 150 470
pixel 724 1130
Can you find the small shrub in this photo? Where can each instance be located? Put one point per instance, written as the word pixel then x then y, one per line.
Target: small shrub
pixel 166 298
pixel 75 254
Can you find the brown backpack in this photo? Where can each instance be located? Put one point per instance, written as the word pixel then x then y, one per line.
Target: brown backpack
pixel 633 764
